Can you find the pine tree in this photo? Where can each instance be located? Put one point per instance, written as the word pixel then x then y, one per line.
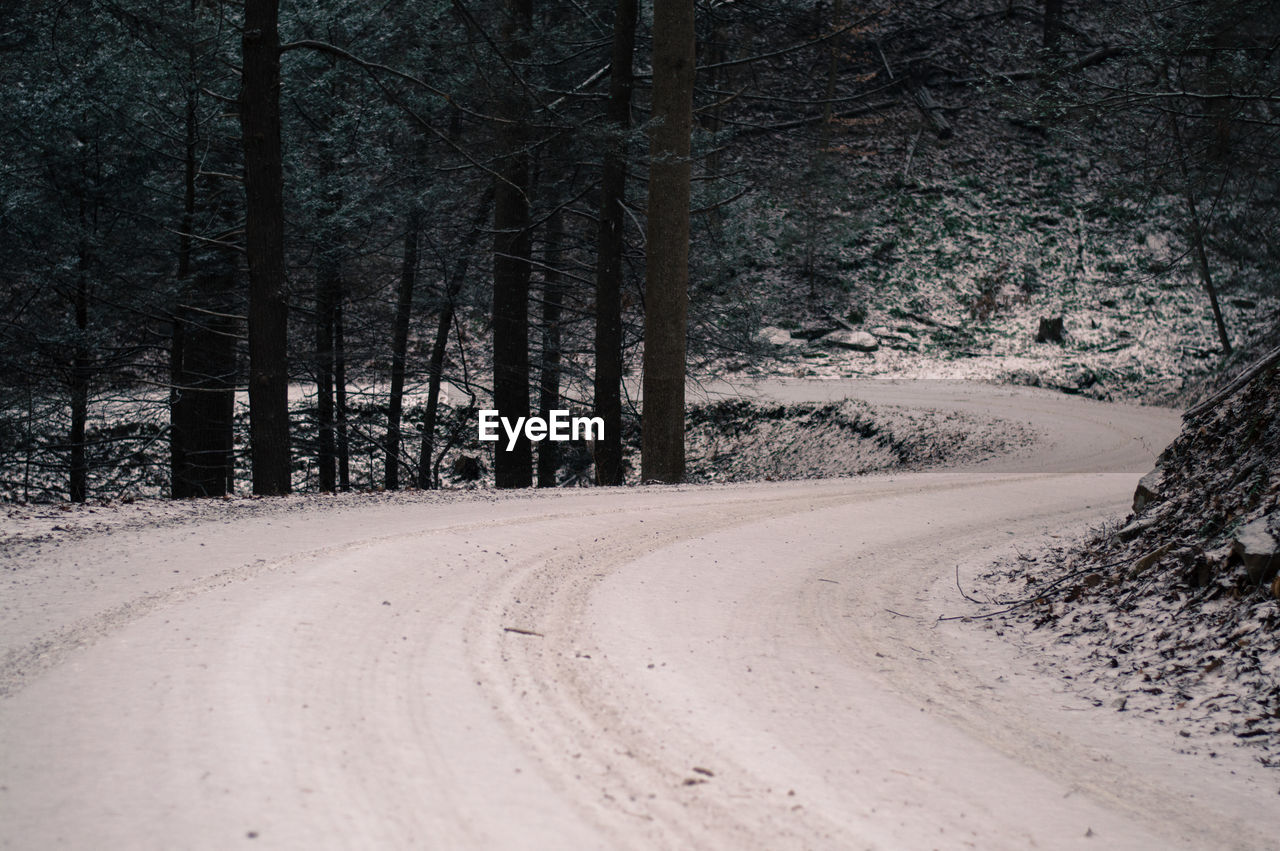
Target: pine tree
pixel 264 247
pixel 613 187
pixel 667 236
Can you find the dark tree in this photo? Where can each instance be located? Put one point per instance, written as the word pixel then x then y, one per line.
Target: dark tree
pixel 667 236
pixel 204 329
pixel 1052 22
pixel 81 369
pixel 512 244
pixel 400 345
pixel 328 287
pixel 549 372
pixel 1195 235
pixel 613 187
pixel 340 426
pixel 264 246
pixel 455 278
pixel 202 407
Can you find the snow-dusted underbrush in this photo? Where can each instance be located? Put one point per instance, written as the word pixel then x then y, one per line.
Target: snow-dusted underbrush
pixel 127 442
pixel 952 266
pixel 726 442
pixel 743 441
pixel 1174 613
pixel 958 285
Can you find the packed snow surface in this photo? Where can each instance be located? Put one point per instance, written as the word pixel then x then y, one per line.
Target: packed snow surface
pixel 741 666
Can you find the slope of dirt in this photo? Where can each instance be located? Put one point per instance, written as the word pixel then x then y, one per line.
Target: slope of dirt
pixel 1157 615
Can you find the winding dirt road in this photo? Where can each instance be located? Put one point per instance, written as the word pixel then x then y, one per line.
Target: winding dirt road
pixel 721 667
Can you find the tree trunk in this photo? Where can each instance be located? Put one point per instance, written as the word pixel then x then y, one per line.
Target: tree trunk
pixel 613 189
pixel 204 383
pixel 177 432
pixel 549 373
pixel 264 246
pixel 78 484
pixel 833 74
pixel 435 367
pixel 340 386
pixel 511 249
pixel 81 367
pixel 719 79
pixel 667 235
pixel 177 427
pixel 399 346
pixel 328 283
pixel 1218 79
pixel 1196 233
pixel 1052 23
pixel 205 332
pixel 326 445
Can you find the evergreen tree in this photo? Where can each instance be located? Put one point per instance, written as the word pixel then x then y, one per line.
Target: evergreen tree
pixel 666 294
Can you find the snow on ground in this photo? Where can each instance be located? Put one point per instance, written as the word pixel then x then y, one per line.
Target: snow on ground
pixel 1154 615
pixel 1150 344
pixel 740 440
pixel 1207 666
pixel 37 526
pixel 953 269
pixel 725 641
pixel 730 440
pixel 733 666
pixel 129 442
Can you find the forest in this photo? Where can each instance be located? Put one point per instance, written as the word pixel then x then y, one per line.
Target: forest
pixel 917 364
pixel 252 246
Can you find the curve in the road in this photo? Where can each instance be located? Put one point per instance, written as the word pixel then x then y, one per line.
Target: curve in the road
pixel 731 667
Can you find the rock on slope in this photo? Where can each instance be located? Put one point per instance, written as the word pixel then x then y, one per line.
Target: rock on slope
pixel 1175 612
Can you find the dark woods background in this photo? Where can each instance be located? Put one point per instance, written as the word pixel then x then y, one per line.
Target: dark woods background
pixel 326 212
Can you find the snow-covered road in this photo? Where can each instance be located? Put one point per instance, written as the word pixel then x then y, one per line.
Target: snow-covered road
pixel 720 667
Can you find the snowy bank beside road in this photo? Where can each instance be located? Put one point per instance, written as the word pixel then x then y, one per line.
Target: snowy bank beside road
pixel 1174 613
pixel 740 441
